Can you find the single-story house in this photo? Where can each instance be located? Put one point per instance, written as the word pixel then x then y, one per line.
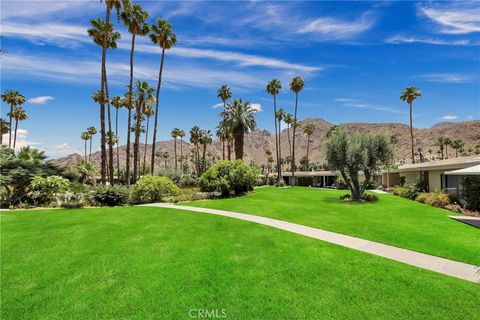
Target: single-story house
pixel 319 179
pixel 433 173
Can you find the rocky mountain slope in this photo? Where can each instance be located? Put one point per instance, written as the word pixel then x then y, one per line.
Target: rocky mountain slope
pixel 256 143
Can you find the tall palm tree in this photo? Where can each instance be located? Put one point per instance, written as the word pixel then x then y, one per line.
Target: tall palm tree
pixel 162 35
pixel 224 94
pixel 135 19
pixel 457 145
pixel 145 97
pixel 288 119
pixel 175 134
pixel 280 115
pixel 117 102
pixel 85 136
pixel 241 118
pixel 18 114
pixel 4 129
pixel 309 130
pixel 14 99
pixel 164 155
pixel 296 85
pixel 394 141
pixel 195 134
pixel 103 35
pixel 181 135
pixel 273 88
pixel 205 140
pixel 148 112
pixel 91 131
pixel 409 95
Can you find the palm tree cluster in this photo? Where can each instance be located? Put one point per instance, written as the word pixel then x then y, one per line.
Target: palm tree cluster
pixel 15 100
pixel 200 140
pixel 273 88
pixel 139 99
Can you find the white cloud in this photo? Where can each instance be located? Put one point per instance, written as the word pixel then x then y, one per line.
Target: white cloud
pixel 448 77
pixel 333 28
pixel 256 106
pixel 244 60
pixel 218 105
pixel 353 103
pixel 455 17
pixel 40 100
pixel 469 117
pixel 398 39
pixel 61 35
pixel 60 150
pixel 22 139
pixel 449 117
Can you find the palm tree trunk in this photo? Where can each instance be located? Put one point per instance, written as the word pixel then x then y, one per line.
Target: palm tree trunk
pixel 308 147
pixel 181 153
pixel 223 148
pixel 160 71
pixel 10 127
pixel 110 133
pixel 136 142
pixel 411 134
pixel 130 106
pixel 293 140
pixel 229 149
pixel 203 157
pixel 175 152
pixel 15 136
pixel 116 133
pixel 238 136
pixel 279 170
pixel 90 154
pixel 289 141
pixel 85 150
pixel 279 149
pixel 145 150
pixel 198 160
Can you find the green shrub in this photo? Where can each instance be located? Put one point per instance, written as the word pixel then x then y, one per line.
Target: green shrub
pixel 340 183
pixel 366 197
pixel 282 183
pixel 151 189
pixel 71 200
pixel 229 177
pixel 422 197
pixel 471 192
pixel 44 189
pixel 109 196
pixel 399 191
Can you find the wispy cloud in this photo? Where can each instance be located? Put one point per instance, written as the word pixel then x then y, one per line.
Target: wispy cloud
pixel 354 103
pixel 217 106
pixel 60 150
pixel 335 28
pixel 449 117
pixel 241 59
pixel 399 39
pixel 22 139
pixel 40 100
pixel 449 77
pixel 453 17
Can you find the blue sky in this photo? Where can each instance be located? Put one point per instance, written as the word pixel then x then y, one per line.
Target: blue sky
pixel 355 57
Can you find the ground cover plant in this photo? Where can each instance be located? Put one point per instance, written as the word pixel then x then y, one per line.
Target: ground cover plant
pixel 151 263
pixel 391 220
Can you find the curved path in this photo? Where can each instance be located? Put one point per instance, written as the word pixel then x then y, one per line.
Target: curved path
pixel 448 267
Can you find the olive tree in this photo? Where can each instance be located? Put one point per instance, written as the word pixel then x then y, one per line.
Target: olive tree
pixel 356 153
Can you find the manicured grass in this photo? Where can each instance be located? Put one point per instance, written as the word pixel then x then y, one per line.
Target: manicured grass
pixel 152 263
pixel 392 220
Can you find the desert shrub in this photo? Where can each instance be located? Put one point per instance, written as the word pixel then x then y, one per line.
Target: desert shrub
pixel 422 197
pixel 44 189
pixel 109 195
pixel 71 200
pixel 229 177
pixel 340 183
pixel 366 197
pixel 399 191
pixel 178 177
pixel 471 192
pixel 438 199
pixel 149 189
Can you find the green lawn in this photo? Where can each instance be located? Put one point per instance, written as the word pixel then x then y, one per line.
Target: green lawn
pixel 152 263
pixel 392 220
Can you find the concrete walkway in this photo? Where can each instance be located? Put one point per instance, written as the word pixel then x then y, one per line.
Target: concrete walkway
pixel 448 267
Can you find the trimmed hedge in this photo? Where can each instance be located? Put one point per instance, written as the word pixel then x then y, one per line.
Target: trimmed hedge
pixel 109 196
pixel 150 189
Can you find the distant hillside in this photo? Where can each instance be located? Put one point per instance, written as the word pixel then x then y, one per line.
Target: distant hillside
pixel 257 142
